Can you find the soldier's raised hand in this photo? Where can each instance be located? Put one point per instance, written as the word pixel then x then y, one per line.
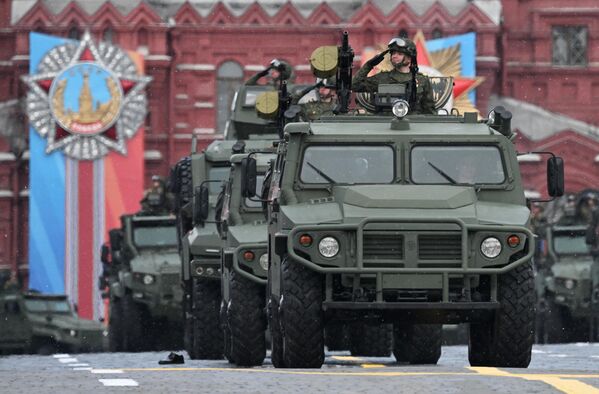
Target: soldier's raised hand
pixel 378 58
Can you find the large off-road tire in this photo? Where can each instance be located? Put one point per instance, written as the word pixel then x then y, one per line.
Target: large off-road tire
pixel 226 331
pixel 134 338
pixel 417 343
pixel 207 343
pixel 115 326
pixel 506 340
pixel 181 186
pixel 276 333
pixel 336 336
pixel 301 316
pixel 370 340
pixel 246 321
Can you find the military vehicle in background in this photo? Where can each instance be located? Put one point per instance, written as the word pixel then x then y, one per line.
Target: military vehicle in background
pixel 141 279
pixel 244 262
pixel 568 304
pixel 199 242
pixel 45 324
pixel 382 219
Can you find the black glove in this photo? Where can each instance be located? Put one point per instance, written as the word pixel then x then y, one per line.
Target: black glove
pixel 378 58
pixel 264 72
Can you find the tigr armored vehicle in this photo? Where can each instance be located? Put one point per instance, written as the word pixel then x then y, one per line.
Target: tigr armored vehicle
pixel 45 324
pixel 141 278
pixel 417 221
pixel 244 263
pixel 199 240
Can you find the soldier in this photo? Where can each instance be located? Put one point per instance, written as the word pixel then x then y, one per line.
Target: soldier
pixel 156 201
pixel 327 100
pixel 403 59
pixel 277 70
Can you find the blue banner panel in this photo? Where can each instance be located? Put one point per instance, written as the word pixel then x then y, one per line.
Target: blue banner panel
pixel 46 196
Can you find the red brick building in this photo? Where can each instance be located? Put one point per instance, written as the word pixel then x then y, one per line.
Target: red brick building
pixel 536 51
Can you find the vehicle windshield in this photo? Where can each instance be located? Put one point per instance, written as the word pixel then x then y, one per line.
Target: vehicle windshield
pixel 256 204
pixel 570 243
pixel 155 236
pixel 47 306
pixel 217 174
pixel 348 164
pixel 453 164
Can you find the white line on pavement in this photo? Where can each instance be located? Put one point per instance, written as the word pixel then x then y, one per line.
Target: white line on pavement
pixel 118 382
pixel 558 355
pixel 594 356
pixel 535 351
pixel 79 365
pixel 61 355
pixel 106 371
pixel 68 360
pixel 82 369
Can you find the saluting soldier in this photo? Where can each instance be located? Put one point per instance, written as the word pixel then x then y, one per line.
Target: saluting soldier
pixel 277 70
pixel 403 58
pixel 324 106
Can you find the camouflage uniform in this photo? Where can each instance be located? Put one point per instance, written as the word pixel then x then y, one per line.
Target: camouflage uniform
pixel 313 110
pixel 425 104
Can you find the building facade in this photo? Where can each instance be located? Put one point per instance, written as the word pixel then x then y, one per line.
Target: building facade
pixel 540 52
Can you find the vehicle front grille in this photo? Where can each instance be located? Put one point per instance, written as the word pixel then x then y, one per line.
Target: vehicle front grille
pixel 168 281
pixel 382 245
pixel 440 247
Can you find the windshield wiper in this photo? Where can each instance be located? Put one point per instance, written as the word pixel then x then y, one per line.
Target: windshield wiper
pixel 319 172
pixel 442 173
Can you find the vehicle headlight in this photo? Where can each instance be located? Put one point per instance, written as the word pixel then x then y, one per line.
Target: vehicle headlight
pixel 400 108
pixel 490 247
pixel 570 284
pixel 328 247
pixel 148 279
pixel 73 333
pixel 264 262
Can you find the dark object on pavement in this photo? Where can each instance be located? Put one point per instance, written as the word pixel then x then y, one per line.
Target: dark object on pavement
pixel 173 358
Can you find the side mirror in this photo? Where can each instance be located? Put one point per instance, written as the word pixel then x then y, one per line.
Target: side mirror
pixel 248 177
pixel 104 254
pixel 555 176
pixel 201 204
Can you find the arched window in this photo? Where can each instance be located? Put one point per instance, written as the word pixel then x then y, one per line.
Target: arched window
pixel 229 78
pixel 437 33
pixel 142 37
pixel 74 33
pixel 108 35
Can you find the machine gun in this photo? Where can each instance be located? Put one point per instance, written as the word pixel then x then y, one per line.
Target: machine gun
pixel 344 75
pixel 284 103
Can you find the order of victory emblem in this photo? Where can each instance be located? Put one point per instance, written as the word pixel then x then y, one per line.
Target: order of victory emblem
pixel 86 99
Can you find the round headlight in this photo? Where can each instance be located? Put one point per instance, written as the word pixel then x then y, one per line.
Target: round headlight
pixel 264 262
pixel 400 108
pixel 490 247
pixel 73 333
pixel 570 284
pixel 328 247
pixel 148 279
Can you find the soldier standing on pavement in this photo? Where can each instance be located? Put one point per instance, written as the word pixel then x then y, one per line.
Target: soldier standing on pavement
pixel 405 69
pixel 277 70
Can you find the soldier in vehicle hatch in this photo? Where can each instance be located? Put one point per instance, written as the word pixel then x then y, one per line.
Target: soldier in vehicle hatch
pixel 277 70
pixel 327 100
pixel 156 200
pixel 403 58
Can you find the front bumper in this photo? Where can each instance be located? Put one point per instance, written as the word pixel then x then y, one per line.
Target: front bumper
pixel 251 270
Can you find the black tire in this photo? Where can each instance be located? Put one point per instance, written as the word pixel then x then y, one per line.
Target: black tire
pixel 506 340
pixel 246 321
pixel 336 336
pixel 417 343
pixel 181 185
pixel 226 332
pixel 301 316
pixel 207 343
pixel 134 339
pixel 188 321
pixel 115 326
pixel 370 340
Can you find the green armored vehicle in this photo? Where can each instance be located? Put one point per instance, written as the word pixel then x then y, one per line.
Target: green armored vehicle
pixel 45 324
pixel 141 278
pixel 200 244
pixel 567 308
pixel 244 262
pixel 417 221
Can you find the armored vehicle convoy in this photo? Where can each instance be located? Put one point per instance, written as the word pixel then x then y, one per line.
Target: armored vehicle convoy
pixel 419 221
pixel 568 305
pixel 45 324
pixel 141 279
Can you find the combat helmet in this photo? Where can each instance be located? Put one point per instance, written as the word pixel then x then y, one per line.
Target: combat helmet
pixel 403 45
pixel 284 68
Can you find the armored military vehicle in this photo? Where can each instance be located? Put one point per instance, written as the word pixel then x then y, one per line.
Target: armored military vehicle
pixel 141 279
pixel 382 219
pixel 199 245
pixel 568 305
pixel 45 324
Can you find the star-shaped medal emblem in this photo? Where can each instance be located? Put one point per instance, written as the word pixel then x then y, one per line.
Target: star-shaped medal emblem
pixel 86 99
